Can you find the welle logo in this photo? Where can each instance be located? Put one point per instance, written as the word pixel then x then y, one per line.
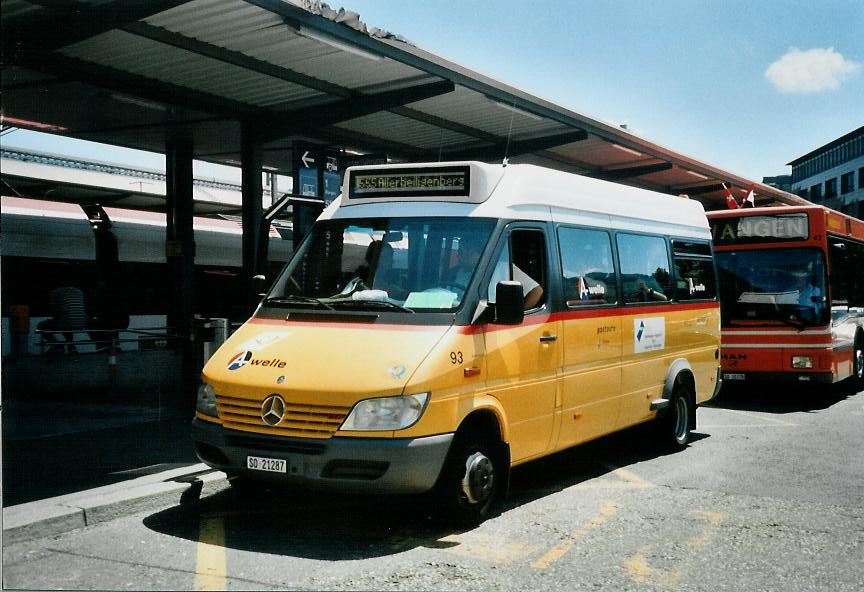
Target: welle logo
pixel 239 360
pixel 243 358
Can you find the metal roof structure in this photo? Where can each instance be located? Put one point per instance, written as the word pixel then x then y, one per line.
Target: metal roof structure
pixel 136 73
pixel 79 180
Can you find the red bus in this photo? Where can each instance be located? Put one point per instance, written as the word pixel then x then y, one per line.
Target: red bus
pixel 791 294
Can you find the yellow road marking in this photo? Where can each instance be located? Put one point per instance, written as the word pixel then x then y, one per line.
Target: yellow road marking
pixel 632 477
pixel 608 510
pixel 702 539
pixel 639 571
pixel 757 417
pixel 713 518
pixel 703 426
pixel 630 480
pixel 210 562
pixel 488 548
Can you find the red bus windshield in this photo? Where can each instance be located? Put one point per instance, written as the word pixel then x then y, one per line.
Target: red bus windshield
pixel 773 286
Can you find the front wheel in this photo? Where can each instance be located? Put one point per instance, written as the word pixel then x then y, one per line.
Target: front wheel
pixel 471 480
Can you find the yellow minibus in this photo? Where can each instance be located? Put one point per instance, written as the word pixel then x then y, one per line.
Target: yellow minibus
pixel 445 322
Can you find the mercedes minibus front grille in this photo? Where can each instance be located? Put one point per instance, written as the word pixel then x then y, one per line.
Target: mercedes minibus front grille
pixel 271 444
pixel 302 421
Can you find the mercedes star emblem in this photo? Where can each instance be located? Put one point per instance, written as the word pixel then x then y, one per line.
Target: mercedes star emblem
pixel 273 410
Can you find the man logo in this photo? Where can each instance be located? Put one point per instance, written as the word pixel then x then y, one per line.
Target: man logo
pixel 273 410
pixel 239 360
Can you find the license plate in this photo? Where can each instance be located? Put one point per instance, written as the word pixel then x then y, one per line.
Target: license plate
pixel 732 376
pixel 271 465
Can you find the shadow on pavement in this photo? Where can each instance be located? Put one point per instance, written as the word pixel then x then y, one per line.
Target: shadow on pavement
pixel 780 398
pixel 334 527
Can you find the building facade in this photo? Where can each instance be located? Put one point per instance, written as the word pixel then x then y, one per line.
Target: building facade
pixel 833 175
pixel 783 182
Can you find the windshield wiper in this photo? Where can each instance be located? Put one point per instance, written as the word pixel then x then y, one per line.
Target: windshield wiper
pixel 295 299
pixel 794 323
pixel 373 303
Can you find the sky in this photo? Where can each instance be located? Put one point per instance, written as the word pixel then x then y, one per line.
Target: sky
pixel 747 86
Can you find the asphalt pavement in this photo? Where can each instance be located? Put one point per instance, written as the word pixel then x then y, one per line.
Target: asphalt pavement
pixel 72 462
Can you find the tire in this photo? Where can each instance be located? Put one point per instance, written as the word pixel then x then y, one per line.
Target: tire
pixel 858 365
pixel 674 425
pixel 472 479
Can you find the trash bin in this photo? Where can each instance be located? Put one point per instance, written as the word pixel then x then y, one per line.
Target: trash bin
pixel 215 336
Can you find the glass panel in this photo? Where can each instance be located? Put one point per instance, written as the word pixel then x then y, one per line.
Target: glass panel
pixel 645 273
pixel 776 285
pixel 694 279
pixel 418 263
pixel 589 273
pixel 523 259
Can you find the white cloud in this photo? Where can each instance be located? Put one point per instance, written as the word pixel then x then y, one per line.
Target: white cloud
pixel 810 71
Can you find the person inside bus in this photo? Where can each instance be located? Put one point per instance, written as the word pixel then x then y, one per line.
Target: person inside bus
pixel 378 271
pixel 68 316
pixel 378 254
pixel 467 256
pixel 532 291
pixel 810 297
pixel 650 294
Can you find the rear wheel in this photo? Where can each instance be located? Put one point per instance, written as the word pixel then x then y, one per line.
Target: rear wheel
pixel 471 480
pixel 858 364
pixel 674 425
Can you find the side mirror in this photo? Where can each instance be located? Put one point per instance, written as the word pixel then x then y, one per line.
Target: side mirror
pixel 509 303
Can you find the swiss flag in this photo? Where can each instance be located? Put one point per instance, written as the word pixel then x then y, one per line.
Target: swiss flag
pixel 730 199
pixel 750 200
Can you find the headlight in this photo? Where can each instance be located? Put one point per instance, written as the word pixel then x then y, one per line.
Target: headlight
pixel 386 413
pixel 206 403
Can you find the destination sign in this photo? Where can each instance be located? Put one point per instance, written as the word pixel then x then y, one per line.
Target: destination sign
pixel 750 229
pixel 410 182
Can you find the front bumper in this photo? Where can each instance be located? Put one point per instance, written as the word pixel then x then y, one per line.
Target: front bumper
pixel 362 465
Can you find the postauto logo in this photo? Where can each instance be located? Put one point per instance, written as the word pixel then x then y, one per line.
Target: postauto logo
pixel 239 360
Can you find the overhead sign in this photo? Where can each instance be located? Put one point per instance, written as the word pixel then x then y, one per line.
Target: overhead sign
pixel 762 228
pixel 307 176
pixel 453 181
pixel 332 178
pixel 349 160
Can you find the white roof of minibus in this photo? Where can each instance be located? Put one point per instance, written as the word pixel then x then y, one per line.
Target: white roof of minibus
pixel 529 192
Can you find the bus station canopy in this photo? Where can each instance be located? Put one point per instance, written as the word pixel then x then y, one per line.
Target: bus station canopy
pixel 295 73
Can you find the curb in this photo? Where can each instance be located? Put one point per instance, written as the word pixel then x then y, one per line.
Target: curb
pixel 64 513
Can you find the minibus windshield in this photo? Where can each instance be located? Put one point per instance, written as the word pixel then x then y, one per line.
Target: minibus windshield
pixel 773 286
pixel 399 264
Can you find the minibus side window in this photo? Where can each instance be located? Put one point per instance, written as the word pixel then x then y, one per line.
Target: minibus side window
pixel 694 271
pixel 846 259
pixel 523 259
pixel 645 275
pixel 587 263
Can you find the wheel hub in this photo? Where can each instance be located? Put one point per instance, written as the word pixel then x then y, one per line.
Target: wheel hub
pixel 681 419
pixel 478 482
